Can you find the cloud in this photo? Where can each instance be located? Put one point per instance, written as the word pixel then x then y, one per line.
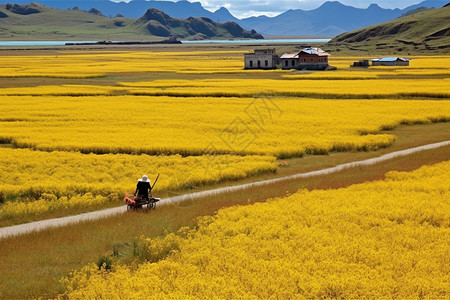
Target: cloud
pixel 247 8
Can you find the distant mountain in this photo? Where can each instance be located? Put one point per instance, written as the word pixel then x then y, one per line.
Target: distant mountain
pixel 426 31
pixel 36 21
pixel 159 23
pixel 330 19
pixel 428 4
pixel 135 8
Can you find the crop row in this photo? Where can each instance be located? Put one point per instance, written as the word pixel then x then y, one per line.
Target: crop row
pixel 69 64
pixel 359 87
pixel 195 126
pixel 78 65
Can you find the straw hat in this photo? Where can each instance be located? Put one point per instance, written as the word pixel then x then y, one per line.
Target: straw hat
pixel 144 179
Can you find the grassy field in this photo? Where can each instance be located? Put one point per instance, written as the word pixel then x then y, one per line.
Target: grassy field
pixel 111 114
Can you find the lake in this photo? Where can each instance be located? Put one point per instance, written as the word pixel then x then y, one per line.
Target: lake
pixel 268 41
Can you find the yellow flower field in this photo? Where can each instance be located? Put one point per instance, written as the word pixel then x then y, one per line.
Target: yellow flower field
pixel 349 86
pixel 171 105
pixel 84 65
pixel 374 240
pixel 59 180
pixel 282 127
pixel 79 64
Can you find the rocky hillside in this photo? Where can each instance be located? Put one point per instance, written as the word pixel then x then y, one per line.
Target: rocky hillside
pixel 422 32
pixel 158 23
pixel 38 22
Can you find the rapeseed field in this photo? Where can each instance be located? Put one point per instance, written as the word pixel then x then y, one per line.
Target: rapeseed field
pixel 381 239
pixel 281 127
pixel 152 112
pixel 35 182
pixel 78 128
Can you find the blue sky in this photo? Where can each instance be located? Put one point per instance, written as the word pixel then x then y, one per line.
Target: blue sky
pixel 247 8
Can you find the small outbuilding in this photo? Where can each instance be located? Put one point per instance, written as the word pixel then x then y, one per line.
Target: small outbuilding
pixel 261 59
pixel 362 63
pixel 390 61
pixel 308 58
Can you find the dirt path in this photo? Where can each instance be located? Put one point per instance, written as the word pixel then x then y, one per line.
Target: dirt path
pixel 41 225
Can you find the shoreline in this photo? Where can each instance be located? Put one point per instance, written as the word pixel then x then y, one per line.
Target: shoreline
pixel 121 43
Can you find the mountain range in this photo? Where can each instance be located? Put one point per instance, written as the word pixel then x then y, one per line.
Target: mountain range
pixel 37 21
pixel 330 19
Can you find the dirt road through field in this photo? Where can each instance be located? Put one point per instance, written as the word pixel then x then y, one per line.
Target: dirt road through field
pixel 45 224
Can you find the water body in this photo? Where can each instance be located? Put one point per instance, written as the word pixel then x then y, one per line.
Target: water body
pixel 277 41
pixel 39 43
pixel 252 42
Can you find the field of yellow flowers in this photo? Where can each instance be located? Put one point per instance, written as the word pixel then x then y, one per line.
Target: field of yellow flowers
pixel 36 182
pixel 282 127
pixel 382 239
pixel 59 112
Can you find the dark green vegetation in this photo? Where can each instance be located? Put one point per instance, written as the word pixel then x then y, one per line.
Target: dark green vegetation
pixel 37 22
pixel 424 32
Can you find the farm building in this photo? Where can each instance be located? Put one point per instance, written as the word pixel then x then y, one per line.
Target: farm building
pixel 362 63
pixel 308 58
pixel 261 59
pixel 390 61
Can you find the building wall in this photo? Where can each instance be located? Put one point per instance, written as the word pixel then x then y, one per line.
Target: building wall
pixel 390 63
pixel 312 59
pixel 305 61
pixel 383 63
pixel 260 61
pixel 289 63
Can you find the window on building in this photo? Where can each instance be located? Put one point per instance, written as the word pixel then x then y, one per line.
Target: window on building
pixel 251 64
pixel 259 63
pixel 286 63
pixel 293 62
pixel 266 63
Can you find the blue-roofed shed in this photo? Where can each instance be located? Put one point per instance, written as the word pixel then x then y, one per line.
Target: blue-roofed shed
pixel 391 61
